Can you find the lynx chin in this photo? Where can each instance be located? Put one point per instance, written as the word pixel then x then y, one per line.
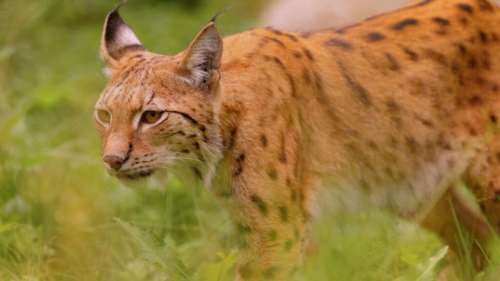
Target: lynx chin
pixel 399 107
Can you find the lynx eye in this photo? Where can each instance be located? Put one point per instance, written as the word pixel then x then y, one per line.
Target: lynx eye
pixel 103 116
pixel 151 117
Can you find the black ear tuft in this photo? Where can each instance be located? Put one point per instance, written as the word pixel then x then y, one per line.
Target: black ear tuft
pixel 220 13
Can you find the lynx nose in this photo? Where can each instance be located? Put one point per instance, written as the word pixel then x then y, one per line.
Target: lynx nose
pixel 113 161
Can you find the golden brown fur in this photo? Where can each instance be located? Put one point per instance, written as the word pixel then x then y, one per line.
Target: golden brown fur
pixel 399 108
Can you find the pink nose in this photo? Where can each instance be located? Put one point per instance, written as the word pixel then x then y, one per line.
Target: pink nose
pixel 115 162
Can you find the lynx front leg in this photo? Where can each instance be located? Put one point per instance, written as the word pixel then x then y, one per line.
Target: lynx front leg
pixel 266 200
pixel 271 232
pixel 268 186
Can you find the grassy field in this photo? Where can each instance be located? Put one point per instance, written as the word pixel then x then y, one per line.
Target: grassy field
pixel 62 218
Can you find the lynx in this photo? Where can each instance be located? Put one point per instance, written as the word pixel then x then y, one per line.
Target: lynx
pixel 399 107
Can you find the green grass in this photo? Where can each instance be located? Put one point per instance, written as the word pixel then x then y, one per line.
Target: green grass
pixel 62 218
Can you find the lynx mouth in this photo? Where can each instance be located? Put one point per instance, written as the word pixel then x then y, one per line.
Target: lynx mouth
pixel 135 176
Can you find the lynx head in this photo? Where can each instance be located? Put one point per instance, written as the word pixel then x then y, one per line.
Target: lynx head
pixel 157 110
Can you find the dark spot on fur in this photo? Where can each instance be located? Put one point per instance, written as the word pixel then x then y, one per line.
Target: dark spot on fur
pixel 279 62
pixel 283 211
pixel 472 62
pixel 389 172
pixel 241 157
pixel 464 21
pixel 291 37
pixel 288 245
pixel 425 122
pixel 405 23
pixel 462 49
pixel 483 207
pixel 441 21
pixel 261 205
pixel 238 166
pixel 455 67
pixel 232 137
pixel 483 36
pixel 340 43
pixel 308 54
pixel 275 31
pixel 437 56
pixel 411 54
pixel 392 106
pixel 273 235
pixel 441 142
pixel 412 145
pixel 293 86
pixel 485 59
pixel 322 98
pixel 282 156
pixel 393 63
pixel 493 119
pixel 306 75
pixel 375 36
pixel 277 41
pixel 495 87
pixel 263 140
pixel 272 173
pixel 475 101
pixel 373 145
pixel 466 8
pixel 297 55
pixel 356 87
pixel 473 131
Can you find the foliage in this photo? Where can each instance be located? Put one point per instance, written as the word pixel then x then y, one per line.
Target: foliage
pixel 62 218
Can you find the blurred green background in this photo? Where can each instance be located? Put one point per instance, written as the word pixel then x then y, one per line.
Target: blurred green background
pixel 63 218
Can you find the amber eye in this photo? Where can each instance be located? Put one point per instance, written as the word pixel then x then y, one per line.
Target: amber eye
pixel 151 117
pixel 103 116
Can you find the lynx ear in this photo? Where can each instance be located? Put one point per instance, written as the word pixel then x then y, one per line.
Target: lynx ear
pixel 117 39
pixel 201 60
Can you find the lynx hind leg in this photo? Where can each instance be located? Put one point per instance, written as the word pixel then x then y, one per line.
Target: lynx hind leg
pixel 464 229
pixel 454 213
pixel 484 180
pixel 454 217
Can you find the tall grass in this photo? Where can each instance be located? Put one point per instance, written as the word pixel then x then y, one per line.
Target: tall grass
pixel 62 218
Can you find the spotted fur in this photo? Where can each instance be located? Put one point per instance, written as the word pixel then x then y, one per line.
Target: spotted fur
pixel 397 108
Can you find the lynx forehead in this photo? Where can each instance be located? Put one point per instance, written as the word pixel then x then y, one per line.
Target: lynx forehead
pixel 397 108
